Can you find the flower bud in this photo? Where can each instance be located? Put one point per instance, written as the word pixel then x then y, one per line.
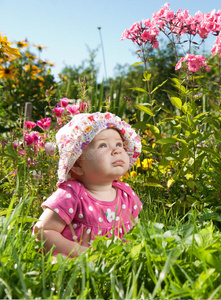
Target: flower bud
pixel 50 148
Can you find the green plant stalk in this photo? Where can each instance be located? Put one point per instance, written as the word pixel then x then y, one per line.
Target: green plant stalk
pixel 148 83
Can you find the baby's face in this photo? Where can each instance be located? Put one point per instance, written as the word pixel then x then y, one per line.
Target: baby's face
pixel 104 159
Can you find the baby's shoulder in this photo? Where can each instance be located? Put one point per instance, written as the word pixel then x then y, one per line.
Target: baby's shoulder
pixel 74 185
pixel 125 187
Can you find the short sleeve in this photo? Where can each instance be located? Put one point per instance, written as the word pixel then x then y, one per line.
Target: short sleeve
pixel 134 205
pixel 64 202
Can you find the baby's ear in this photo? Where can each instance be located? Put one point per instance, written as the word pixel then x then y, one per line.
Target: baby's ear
pixel 76 169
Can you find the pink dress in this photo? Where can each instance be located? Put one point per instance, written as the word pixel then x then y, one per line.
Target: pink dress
pixel 87 217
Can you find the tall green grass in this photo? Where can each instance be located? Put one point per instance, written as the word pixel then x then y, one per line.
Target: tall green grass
pixel 165 257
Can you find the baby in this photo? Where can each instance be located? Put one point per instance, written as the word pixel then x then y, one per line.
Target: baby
pixel 95 151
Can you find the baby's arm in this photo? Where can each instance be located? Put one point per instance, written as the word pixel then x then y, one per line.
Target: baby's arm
pixel 49 228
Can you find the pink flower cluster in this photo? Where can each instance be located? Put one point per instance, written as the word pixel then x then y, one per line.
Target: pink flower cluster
pixel 64 106
pixel 217 47
pixel 179 23
pixel 142 33
pixel 193 62
pixel 35 140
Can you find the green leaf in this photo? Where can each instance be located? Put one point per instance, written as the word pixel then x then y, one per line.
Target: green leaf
pixel 218 136
pixel 137 63
pixel 151 181
pixel 199 116
pixel 210 151
pixel 140 125
pixel 135 251
pixel 176 102
pixel 146 76
pixel 139 90
pixel 154 130
pixel 171 141
pixel 145 109
pixel 157 87
pixel 167 110
pixel 185 108
pixel 179 86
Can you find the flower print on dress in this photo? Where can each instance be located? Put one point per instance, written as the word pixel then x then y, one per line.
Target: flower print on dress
pixel 110 215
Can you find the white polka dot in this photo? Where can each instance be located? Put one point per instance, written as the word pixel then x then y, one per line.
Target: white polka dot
pixel 141 206
pixel 75 237
pixel 128 226
pixel 123 206
pixel 125 194
pixel 69 185
pixel 68 195
pixel 91 241
pixel 90 208
pixel 56 210
pixel 82 198
pixel 133 193
pixel 120 230
pixel 117 218
pixel 88 231
pixel 75 225
pixel 85 193
pixel 135 206
pixel 127 184
pixel 71 210
pixel 100 219
pixel 80 216
pixel 108 210
pixel 118 183
pixel 99 232
pixel 79 183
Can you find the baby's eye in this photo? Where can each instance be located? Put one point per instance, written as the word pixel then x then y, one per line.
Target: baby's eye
pixel 120 144
pixel 103 145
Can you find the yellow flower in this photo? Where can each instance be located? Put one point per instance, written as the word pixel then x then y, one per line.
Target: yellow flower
pixel 62 78
pixel 5 48
pixel 29 55
pixel 147 163
pixel 137 163
pixel 22 44
pixel 40 48
pixel 133 174
pixel 33 69
pixel 7 72
pixel 45 62
pixel 126 176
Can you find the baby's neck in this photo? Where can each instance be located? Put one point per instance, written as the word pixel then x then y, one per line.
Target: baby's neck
pixel 104 192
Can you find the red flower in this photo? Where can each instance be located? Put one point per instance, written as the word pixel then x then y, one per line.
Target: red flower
pixel 58 111
pixel 82 106
pixel 31 138
pixel 64 102
pixel 30 124
pixel 44 123
pixel 73 109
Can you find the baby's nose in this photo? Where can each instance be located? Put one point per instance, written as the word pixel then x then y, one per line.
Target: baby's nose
pixel 116 150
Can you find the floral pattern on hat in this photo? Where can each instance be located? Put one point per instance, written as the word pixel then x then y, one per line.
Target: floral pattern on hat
pixel 73 138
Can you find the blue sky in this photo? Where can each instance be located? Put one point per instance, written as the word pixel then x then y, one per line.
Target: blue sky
pixel 68 27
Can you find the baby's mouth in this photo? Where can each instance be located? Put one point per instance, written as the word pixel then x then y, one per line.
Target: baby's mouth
pixel 118 162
